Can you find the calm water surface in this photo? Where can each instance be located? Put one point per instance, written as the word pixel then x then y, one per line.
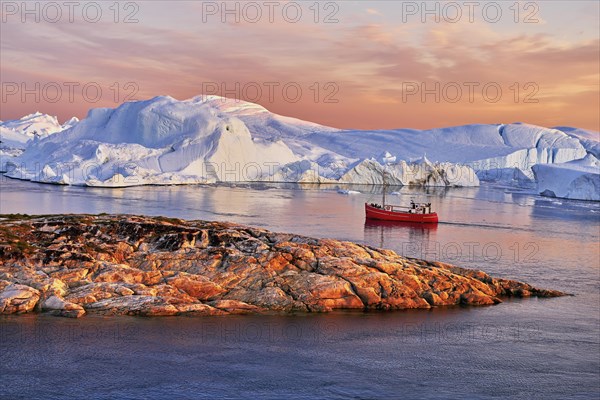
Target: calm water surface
pixel 546 349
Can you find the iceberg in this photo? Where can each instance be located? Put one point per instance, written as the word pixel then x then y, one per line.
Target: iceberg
pixel 418 173
pixel 16 134
pixel 157 141
pixel 33 125
pixel 579 179
pixel 590 140
pixel 209 139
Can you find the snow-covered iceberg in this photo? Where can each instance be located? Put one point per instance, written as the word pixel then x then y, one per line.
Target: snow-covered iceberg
pixel 165 141
pixel 419 173
pixel 590 140
pixel 497 152
pixel 579 179
pixel 157 141
pixel 16 134
pixel 214 139
pixel 35 125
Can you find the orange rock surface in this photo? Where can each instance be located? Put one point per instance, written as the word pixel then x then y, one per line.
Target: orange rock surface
pixel 129 265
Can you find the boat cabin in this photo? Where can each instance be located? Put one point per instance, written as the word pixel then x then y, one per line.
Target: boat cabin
pixel 415 208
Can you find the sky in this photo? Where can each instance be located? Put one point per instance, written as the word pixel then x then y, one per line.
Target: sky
pixel 347 64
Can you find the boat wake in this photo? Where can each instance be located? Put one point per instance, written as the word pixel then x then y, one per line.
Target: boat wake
pixel 486 226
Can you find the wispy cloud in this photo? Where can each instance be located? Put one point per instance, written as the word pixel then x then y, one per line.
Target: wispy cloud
pixel 369 62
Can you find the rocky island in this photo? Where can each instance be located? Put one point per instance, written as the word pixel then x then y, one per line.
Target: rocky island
pixel 70 265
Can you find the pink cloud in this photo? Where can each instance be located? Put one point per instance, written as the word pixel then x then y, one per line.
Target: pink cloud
pixel 367 62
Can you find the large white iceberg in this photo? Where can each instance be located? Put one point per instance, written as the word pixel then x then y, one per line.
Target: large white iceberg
pixel 165 141
pixel 498 152
pixel 579 179
pixel 213 139
pixel 157 141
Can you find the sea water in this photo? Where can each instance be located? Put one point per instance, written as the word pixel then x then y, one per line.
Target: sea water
pixel 522 348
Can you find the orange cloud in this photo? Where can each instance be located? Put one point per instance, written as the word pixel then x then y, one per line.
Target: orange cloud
pixel 352 75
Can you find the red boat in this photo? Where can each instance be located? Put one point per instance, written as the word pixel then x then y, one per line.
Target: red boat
pixel 417 212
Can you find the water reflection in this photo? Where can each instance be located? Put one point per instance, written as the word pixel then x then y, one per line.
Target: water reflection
pixel 381 231
pixel 546 208
pixel 392 190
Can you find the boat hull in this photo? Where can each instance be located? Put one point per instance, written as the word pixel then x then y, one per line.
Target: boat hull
pixel 388 215
pixel 380 223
